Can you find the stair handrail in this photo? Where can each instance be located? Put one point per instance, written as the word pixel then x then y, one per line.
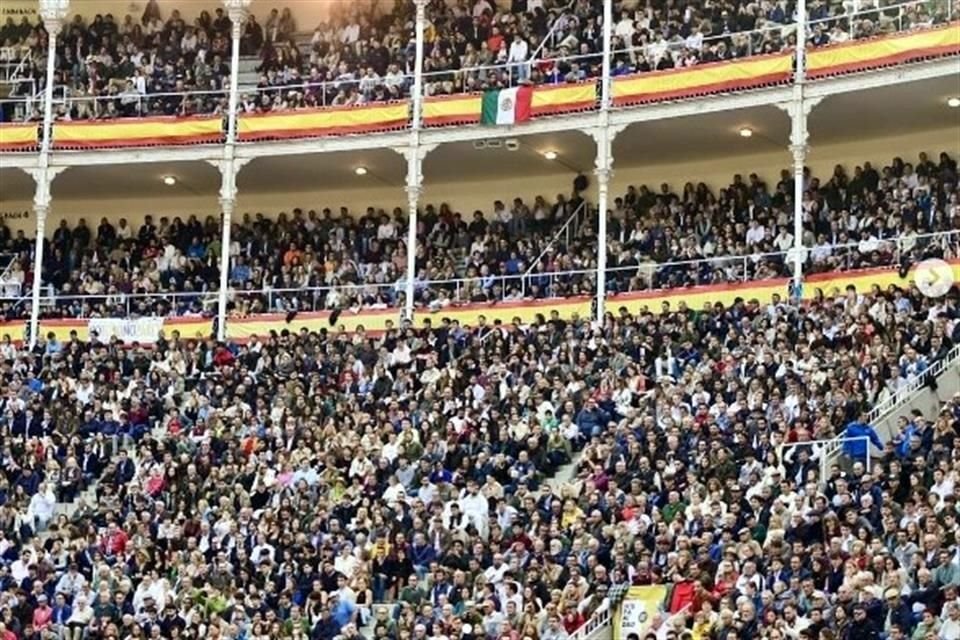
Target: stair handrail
pixel 914 384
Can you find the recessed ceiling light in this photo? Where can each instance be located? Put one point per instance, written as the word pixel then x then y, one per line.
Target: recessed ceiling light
pixel 550 155
pixel 953 102
pixel 169 181
pixel 360 171
pixel 746 132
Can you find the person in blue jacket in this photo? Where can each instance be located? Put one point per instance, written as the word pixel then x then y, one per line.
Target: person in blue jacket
pixel 854 445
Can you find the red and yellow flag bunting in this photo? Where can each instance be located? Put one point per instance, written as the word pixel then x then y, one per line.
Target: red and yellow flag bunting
pixel 18 137
pixel 705 79
pixel 885 51
pixel 324 122
pixel 137 132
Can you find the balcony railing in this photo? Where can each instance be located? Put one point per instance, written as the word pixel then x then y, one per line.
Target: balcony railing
pixel 769 270
pixel 639 75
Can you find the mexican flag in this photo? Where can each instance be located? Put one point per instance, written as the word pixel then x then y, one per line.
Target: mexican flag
pixel 506 106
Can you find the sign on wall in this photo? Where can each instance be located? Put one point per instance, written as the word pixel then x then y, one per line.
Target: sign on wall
pixel 142 330
pixel 15 8
pixel 637 610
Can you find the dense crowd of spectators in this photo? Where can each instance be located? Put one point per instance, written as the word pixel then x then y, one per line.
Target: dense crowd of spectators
pixel 364 52
pixel 318 259
pixel 281 487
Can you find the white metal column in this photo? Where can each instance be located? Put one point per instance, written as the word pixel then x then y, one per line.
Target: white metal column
pixel 798 148
pixel 230 166
pixel 414 157
pixel 604 161
pixel 52 12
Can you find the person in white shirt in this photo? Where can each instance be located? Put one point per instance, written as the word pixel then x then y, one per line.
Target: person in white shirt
pixel 624 28
pixel 755 234
pixel 950 622
pixel 42 506
pixel 345 562
pixel 350 33
pixel 475 507
pixel 519 51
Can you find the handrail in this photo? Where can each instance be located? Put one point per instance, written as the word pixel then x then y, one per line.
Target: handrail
pixel 825 452
pixel 553 28
pixel 914 384
pixel 563 229
pixel 599 620
pixel 522 280
pixel 517 72
pixel 776 27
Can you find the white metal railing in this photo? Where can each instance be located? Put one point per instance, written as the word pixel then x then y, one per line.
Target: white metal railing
pixel 914 384
pixel 13 69
pixel 758 37
pixel 9 288
pixel 545 67
pixel 825 452
pixel 456 291
pixel 549 37
pixel 568 229
pixel 595 623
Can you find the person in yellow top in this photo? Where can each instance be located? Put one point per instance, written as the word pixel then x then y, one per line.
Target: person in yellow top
pixel 702 626
pixel 571 513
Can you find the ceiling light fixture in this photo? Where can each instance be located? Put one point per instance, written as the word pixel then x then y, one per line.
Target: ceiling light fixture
pixel 953 102
pixel 360 171
pixel 746 132
pixel 550 155
pixel 169 181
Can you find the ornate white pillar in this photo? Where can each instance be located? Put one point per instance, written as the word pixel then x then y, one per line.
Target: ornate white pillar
pixel 53 13
pixel 43 178
pixel 414 155
pixel 417 90
pixel 237 11
pixel 229 168
pixel 799 110
pixel 607 55
pixel 604 136
pixel 798 147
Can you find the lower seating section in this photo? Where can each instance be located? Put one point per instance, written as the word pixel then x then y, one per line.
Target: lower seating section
pixel 287 484
pixel 528 248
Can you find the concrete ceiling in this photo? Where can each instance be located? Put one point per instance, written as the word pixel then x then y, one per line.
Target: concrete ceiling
pixel 904 109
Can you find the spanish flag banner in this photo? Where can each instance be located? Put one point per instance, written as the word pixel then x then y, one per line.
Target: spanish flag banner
pixel 863 55
pixel 718 77
pixel 565 98
pixel 439 111
pixel 18 137
pixel 324 122
pixel 139 132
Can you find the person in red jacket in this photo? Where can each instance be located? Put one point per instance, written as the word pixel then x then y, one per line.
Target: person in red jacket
pixel 42 614
pixel 222 357
pixel 572 619
pixel 114 541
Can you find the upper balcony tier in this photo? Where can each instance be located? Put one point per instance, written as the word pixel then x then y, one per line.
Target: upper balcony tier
pixel 159 84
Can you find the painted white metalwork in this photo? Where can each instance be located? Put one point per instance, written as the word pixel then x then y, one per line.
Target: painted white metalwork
pixel 915 384
pixel 825 452
pixel 596 626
